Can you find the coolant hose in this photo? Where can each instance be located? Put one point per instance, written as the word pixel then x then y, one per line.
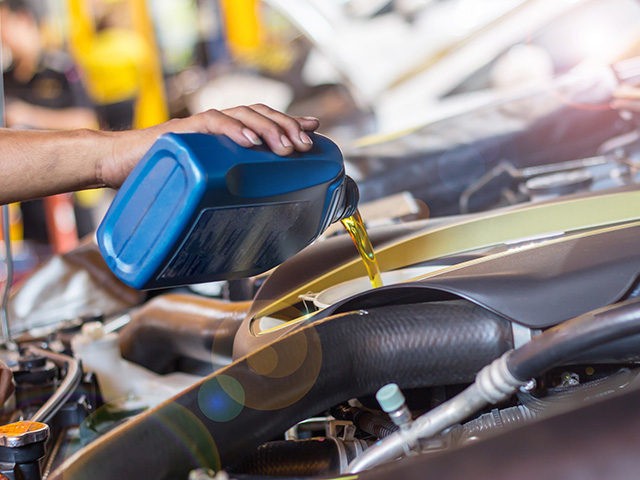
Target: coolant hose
pixel 569 339
pixel 299 458
pixel 175 326
pixel 555 402
pixel 226 416
pixel 558 402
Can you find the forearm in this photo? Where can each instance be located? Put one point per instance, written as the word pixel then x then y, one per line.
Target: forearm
pixel 39 163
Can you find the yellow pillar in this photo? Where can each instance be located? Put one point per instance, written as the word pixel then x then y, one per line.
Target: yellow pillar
pixel 140 47
pixel 242 26
pixel 80 25
pixel 151 107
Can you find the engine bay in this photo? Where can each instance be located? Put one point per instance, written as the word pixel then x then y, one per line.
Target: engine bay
pixel 504 342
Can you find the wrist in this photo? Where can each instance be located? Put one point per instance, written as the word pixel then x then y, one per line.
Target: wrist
pixel 93 146
pixel 124 150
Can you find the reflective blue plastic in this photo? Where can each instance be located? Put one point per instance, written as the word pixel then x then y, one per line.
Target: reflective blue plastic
pixel 199 208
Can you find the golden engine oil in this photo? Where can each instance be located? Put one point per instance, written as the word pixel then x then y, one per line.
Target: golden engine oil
pixel 358 233
pixel 199 208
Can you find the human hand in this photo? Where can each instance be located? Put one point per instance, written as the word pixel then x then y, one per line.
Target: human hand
pixel 248 126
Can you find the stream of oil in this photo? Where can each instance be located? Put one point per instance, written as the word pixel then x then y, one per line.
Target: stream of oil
pixel 358 233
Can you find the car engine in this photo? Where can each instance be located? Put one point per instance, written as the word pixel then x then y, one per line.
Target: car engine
pixel 503 344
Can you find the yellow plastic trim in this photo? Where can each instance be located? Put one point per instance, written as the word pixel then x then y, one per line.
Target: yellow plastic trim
pixel 495 228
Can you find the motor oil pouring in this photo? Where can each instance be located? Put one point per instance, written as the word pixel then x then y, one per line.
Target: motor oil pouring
pixel 358 233
pixel 199 208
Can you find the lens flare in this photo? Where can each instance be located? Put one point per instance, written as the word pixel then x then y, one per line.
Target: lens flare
pixel 221 399
pixel 281 374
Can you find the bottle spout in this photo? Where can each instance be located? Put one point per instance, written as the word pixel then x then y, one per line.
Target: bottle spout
pixel 347 201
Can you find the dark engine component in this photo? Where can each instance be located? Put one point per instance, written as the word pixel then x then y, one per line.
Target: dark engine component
pixel 302 458
pixel 22 445
pixel 158 337
pixel 316 367
pixel 591 443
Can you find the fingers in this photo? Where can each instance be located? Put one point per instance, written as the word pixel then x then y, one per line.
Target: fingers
pixel 294 127
pixel 250 126
pixel 218 122
pixel 310 124
pixel 282 133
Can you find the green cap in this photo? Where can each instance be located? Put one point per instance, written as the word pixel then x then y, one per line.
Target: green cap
pixel 390 397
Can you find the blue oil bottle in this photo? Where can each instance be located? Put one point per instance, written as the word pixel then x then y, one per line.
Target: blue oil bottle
pixel 199 208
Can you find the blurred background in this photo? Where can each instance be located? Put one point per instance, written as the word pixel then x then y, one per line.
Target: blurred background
pixel 373 71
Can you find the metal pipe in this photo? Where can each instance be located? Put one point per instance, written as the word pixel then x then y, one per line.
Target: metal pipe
pixel 494 383
pixel 71 380
pixel 441 417
pixel 8 260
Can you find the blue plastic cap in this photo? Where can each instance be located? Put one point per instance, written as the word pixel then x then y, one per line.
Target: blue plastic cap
pixel 390 398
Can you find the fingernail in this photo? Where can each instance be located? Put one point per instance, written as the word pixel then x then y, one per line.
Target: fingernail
pixel 285 141
pixel 313 119
pixel 251 136
pixel 304 138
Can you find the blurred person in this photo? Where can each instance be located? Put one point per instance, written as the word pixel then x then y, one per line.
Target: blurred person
pixel 42 86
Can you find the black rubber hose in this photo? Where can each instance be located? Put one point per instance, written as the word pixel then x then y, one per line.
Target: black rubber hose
pixel 569 339
pixel 287 458
pixel 623 350
pixel 233 411
pixel 566 398
pixel 176 326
